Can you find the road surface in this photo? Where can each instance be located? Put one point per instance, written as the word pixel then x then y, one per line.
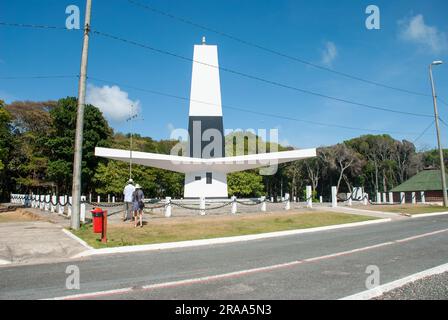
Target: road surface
pixel 322 265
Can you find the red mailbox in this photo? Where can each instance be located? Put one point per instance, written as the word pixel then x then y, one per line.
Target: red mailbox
pixel 97 215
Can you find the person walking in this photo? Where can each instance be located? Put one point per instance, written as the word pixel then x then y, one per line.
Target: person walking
pixel 138 204
pixel 127 193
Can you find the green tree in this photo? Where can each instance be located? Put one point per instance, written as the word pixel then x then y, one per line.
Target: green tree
pixel 60 143
pixel 245 184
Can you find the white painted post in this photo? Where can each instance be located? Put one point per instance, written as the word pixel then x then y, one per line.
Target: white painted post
pixel 309 197
pixel 366 198
pixel 334 200
pixel 349 197
pixel 41 202
pixel 384 197
pixel 202 206
pixel 108 198
pixel 378 197
pixel 47 204
pixel 295 199
pixel 60 206
pixel 113 199
pixel 391 197
pixel 167 207
pixel 54 200
pixel 402 198
pixel 82 212
pixel 98 199
pixel 320 199
pixel 234 207
pixel 413 198
pixel 288 202
pixel 422 196
pixel 272 199
pixel 263 204
pixel 69 206
pixel 90 197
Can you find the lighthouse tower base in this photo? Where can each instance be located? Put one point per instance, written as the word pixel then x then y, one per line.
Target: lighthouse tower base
pixel 208 184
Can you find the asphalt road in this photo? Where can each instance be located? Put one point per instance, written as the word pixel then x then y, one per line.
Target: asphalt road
pixel 276 268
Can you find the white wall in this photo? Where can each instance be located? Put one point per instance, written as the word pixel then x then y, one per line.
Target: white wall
pixel 195 189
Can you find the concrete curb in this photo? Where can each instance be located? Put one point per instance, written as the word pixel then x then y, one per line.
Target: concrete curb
pixel 424 215
pixel 380 290
pixel 204 242
pixel 366 211
pixel 82 242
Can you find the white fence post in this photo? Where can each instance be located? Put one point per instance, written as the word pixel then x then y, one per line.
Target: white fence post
pixel 263 204
pixel 422 196
pixel 54 201
pixel 98 199
pixel 167 207
pixel 69 206
pixel 113 199
pixel 287 202
pixel 402 198
pixel 384 197
pixel 413 198
pixel 378 197
pixel 41 202
pixel 349 197
pixel 309 197
pixel 334 199
pixel 366 198
pixel 61 208
pixel 320 199
pixel 47 203
pixel 391 198
pixel 82 212
pixel 234 205
pixel 202 205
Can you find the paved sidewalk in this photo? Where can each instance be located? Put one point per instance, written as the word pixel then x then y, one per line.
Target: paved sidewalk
pixel 35 242
pixel 367 212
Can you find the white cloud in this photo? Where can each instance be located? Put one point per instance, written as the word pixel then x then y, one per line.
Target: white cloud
pixel 416 31
pixel 329 53
pixel 112 101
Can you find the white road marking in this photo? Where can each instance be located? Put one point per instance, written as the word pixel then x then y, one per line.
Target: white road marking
pixel 242 272
pixel 425 215
pixel 378 291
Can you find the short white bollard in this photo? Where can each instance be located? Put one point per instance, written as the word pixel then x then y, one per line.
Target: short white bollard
pixel 69 207
pixel 378 197
pixel 82 210
pixel 41 202
pixel 287 202
pixel 113 199
pixel 334 200
pixel 167 207
pixel 272 199
pixel 414 200
pixel 90 197
pixel 384 197
pixel 422 196
pixel 263 204
pixel 47 202
pixel 202 206
pixel 391 198
pixel 234 205
pixel 61 207
pixel 98 199
pixel 320 199
pixel 54 202
pixel 366 198
pixel 402 198
pixel 349 197
pixel 309 197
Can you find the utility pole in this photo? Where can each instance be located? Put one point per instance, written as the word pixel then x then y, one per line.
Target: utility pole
pixel 436 115
pixel 77 161
pixel 131 116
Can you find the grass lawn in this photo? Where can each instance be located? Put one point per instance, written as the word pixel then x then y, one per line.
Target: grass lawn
pixel 408 208
pixel 191 228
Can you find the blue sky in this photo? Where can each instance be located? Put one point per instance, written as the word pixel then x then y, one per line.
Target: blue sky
pixel 329 33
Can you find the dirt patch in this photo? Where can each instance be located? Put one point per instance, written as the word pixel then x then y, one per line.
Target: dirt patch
pixel 19 215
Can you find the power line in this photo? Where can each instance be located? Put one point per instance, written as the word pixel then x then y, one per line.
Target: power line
pixel 272 51
pixel 423 132
pixel 34 26
pixel 39 77
pixel 271 82
pixel 247 110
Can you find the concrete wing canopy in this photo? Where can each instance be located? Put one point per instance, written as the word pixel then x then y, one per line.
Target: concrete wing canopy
pixel 188 164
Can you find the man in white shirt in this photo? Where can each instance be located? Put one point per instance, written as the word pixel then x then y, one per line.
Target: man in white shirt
pixel 127 192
